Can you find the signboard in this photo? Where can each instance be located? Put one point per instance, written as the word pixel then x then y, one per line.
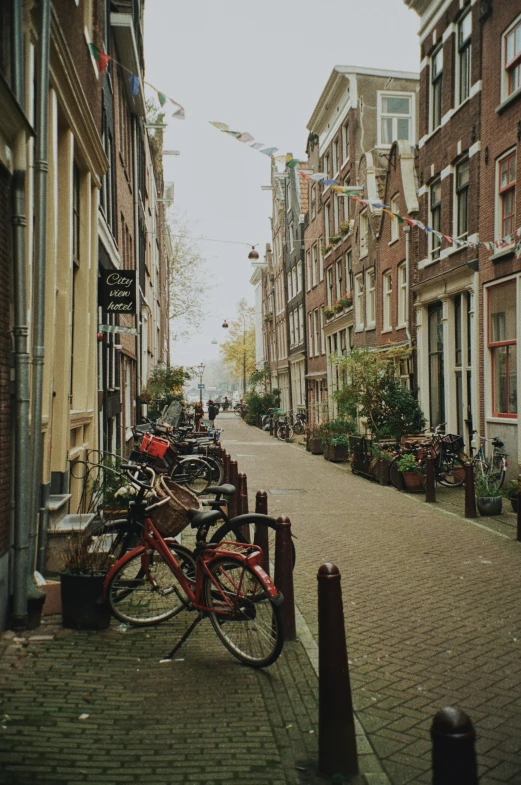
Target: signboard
pixel 117 290
pixel 200 386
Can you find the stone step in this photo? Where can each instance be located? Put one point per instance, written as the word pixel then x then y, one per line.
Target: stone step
pixel 58 507
pixel 59 532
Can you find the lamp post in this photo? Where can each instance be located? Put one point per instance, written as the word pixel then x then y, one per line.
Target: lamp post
pixel 200 371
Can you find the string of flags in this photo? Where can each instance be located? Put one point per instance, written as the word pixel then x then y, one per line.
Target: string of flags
pixel 102 60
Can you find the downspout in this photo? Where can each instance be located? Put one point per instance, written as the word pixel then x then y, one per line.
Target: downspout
pixel 137 251
pixel 407 230
pixel 22 571
pixel 37 509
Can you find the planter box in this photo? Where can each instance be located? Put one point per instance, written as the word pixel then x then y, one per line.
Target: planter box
pixel 381 471
pixel 513 502
pixel 336 453
pixel 83 606
pixel 362 455
pixel 315 447
pixel 489 505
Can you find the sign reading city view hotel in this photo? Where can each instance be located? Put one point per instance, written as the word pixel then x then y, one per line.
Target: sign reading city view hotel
pixel 118 291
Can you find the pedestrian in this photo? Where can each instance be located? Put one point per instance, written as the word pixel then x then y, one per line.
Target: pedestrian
pixel 226 404
pixel 212 412
pixel 198 414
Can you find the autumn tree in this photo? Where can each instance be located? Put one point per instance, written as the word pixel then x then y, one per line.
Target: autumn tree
pixel 238 350
pixel 187 280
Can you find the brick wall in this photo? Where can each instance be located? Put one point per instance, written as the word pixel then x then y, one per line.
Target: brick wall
pixel 5 353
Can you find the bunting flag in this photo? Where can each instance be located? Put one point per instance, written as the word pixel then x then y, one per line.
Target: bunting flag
pixel 134 84
pixel 102 58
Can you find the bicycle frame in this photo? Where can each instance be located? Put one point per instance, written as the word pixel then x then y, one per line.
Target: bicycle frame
pixel 153 541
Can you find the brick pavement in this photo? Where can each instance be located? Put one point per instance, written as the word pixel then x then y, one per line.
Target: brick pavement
pixel 431 602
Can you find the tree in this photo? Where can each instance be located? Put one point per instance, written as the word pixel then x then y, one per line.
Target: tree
pixel 239 348
pixel 188 281
pixel 165 384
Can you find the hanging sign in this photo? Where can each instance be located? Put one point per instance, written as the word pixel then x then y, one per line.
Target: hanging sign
pixel 118 291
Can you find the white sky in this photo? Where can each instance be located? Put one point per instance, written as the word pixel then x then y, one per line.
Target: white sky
pixel 260 67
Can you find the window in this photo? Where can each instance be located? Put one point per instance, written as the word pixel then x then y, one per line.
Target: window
pixel 507 194
pixel 314 264
pixel 291 330
pixel 310 333
pixel 321 258
pixel 359 301
pixel 338 278
pixel 329 285
pixel 315 323
pixel 308 269
pixel 364 229
pixel 396 118
pixel 322 338
pixel 291 245
pixel 503 349
pixel 335 157
pixel 436 369
pixel 387 300
pixel 395 226
pixel 370 297
pixel 299 276
pixel 462 198
pixel 326 222
pixel 436 88
pixel 326 166
pixel 347 200
pixel 464 33
pixel 349 273
pixel 313 200
pixel 512 48
pixel 87 15
pixel 345 140
pixel 336 208
pixel 435 218
pixel 76 215
pixel 402 294
pixel 294 281
pixel 290 295
pixel 301 323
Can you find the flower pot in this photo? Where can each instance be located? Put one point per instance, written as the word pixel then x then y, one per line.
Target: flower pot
pixel 381 471
pixel 413 482
pixel 83 605
pixel 336 453
pixel 513 502
pixel 489 505
pixel 315 446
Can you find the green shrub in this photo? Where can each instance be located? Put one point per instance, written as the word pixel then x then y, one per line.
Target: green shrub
pixel 408 463
pixel 259 403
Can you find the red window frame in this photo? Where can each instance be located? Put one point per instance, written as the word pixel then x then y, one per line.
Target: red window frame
pixel 498 345
pixel 503 191
pixel 512 65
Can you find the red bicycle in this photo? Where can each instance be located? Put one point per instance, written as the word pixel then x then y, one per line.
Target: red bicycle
pixel 225 581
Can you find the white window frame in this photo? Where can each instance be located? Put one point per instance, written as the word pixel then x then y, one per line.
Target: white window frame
pixel 338 277
pixel 504 71
pixel 322 337
pixel 359 301
pixel 315 328
pixel 401 274
pixel 336 214
pixel 329 285
pixel 308 269
pixel 313 200
pixel 327 228
pixel 395 226
pixel 467 44
pixel 387 295
pixel 349 272
pixel 290 294
pixel 457 196
pixel 321 259
pixel 364 233
pixel 498 221
pixel 381 94
pixel 435 54
pixel 291 240
pixel 335 158
pixel 345 142
pixel 314 264
pixel 370 297
pixel 301 323
pixel 291 329
pixel 299 277
pixel 310 333
pixel 294 281
pixel 434 242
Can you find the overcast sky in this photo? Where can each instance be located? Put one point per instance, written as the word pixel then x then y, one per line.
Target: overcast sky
pixel 260 67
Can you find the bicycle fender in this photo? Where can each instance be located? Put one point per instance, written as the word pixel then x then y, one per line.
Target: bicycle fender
pixel 124 559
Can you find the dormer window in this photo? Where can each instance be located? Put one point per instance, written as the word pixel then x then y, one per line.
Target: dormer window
pixel 396 118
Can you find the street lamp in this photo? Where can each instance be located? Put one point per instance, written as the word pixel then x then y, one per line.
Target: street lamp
pixel 200 371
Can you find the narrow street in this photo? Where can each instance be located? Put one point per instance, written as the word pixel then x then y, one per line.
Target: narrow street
pixel 431 603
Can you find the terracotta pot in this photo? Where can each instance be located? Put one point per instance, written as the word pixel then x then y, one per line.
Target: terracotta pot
pixel 413 482
pixel 489 505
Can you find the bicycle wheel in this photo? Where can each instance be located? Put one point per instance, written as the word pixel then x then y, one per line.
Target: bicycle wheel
pixel 245 532
pixel 298 427
pixel 217 469
pixel 195 473
pixel 497 470
pixel 145 591
pixel 243 616
pixel 452 472
pixel 285 432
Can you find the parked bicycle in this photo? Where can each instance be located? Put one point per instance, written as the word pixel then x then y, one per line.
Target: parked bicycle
pixel 284 430
pixel 226 582
pixel 444 449
pixel 493 468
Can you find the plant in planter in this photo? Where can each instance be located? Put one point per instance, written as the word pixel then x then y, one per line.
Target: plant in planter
pixel 408 465
pixel 268 317
pixel 328 312
pixel 488 496
pixel 511 492
pixel 334 239
pixel 380 465
pixel 337 449
pixel 338 307
pixel 345 228
pixel 314 442
pixel 326 248
pixel 85 566
pixel 346 301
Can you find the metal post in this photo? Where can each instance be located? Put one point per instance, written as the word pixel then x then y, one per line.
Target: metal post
pixel 271 426
pixel 453 752
pixel 519 508
pixel 470 494
pixel 337 753
pixel 226 464
pixel 430 488
pixel 243 493
pixel 284 575
pixel 261 532
pixel 233 504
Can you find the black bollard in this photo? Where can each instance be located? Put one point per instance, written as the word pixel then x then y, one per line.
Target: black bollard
pixel 242 503
pixel 470 494
pixel 271 426
pixel 519 508
pixel 261 532
pixel 226 464
pixel 337 753
pixel 430 487
pixel 284 575
pixel 453 753
pixel 233 503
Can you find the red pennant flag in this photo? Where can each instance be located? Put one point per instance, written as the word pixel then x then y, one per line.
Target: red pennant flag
pixel 103 61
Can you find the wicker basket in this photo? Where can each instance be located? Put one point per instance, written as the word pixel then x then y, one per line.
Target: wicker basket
pixel 171 518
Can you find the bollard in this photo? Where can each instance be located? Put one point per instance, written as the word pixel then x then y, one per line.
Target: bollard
pixel 242 503
pixel 233 504
pixel 284 575
pixel 453 753
pixel 271 426
pixel 470 494
pixel 337 753
pixel 226 464
pixel 261 532
pixel 430 487
pixel 519 508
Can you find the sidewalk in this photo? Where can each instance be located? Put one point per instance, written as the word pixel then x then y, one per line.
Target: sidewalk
pixel 431 602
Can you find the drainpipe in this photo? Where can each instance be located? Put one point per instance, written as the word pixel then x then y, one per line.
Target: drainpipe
pixel 22 571
pixel 37 510
pixel 407 230
pixel 137 247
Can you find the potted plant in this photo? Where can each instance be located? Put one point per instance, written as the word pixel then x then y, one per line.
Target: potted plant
pixel 334 239
pixel 511 492
pixel 85 566
pixel 408 465
pixel 314 443
pixel 338 307
pixel 336 449
pixel 328 312
pixel 346 301
pixel 381 462
pixel 488 496
pixel 345 228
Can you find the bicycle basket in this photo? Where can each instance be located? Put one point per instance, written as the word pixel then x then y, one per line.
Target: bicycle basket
pixel 154 445
pixel 454 441
pixel 171 518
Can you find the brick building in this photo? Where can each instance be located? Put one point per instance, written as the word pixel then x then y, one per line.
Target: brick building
pixel 296 207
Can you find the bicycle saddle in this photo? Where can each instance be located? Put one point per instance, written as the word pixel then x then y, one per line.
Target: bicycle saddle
pixel 225 490
pixel 199 518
